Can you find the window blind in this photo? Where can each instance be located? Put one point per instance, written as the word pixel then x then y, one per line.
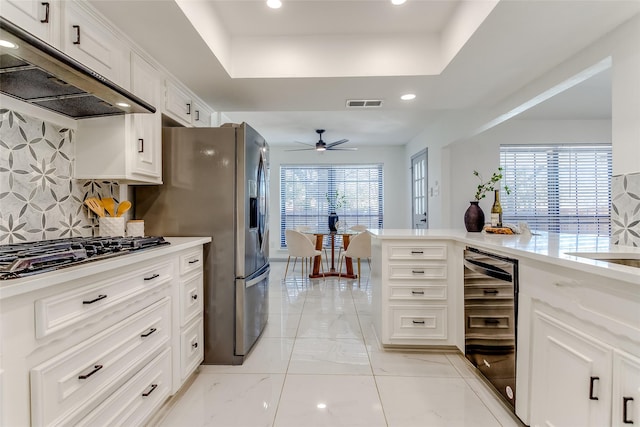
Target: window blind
pixel 304 190
pixel 559 188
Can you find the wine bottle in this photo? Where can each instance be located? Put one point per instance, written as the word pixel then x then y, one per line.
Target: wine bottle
pixel 496 211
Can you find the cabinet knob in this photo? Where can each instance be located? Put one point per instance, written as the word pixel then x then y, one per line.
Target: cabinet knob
pixel 151 389
pixel 77 28
pixel 625 409
pixel 194 297
pixel 592 380
pixel 46 13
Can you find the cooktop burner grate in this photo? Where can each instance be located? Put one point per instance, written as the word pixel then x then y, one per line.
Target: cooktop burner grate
pixel 26 259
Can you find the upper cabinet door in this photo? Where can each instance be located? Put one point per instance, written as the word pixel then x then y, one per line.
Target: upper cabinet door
pixel 88 40
pixel 178 103
pixel 146 144
pixel 201 116
pixel 40 18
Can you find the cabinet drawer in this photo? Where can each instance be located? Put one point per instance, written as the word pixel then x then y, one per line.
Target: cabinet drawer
pixel 488 291
pixel 418 293
pixel 423 271
pixel 138 399
pixel 74 382
pixel 191 348
pixel 418 252
pixel 418 323
pixel 79 305
pixel 190 299
pixel 191 261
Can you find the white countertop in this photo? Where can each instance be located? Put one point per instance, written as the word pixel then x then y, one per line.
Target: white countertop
pixel 13 287
pixel 545 247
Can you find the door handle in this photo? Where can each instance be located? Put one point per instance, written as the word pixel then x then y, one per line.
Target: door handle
pixel 591 381
pixel 77 28
pixel 625 409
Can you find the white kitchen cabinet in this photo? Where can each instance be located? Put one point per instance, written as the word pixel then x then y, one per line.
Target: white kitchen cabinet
pixel 201 116
pixel 189 316
pixel 87 38
pixel 128 147
pixel 182 106
pixel 571 382
pixel 68 386
pixel 40 18
pixel 411 282
pixel 578 339
pixel 626 390
pixel 118 327
pixel 178 103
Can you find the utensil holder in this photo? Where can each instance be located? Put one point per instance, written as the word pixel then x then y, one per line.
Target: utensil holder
pixel 111 226
pixel 135 228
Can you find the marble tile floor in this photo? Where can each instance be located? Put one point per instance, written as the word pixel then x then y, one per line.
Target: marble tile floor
pixel 318 364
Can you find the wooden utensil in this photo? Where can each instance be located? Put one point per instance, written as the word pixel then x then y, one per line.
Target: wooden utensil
pixel 95 206
pixel 109 205
pixel 124 206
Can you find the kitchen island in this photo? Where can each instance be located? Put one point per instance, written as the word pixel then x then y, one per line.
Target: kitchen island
pixel 578 318
pixel 103 342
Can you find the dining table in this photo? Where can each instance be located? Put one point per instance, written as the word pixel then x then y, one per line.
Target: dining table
pixel 332 272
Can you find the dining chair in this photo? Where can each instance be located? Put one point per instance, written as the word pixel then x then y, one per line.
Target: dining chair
pixel 359 228
pixel 307 231
pixel 299 246
pixel 359 247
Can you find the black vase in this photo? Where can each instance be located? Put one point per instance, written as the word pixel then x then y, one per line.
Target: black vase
pixel 474 217
pixel 333 219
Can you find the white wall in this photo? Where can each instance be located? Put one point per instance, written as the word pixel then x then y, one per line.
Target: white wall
pixel 482 153
pixel 395 182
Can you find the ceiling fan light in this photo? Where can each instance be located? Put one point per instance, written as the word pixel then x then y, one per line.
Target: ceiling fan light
pixel 408 96
pixel 398 2
pixel 274 4
pixel 321 149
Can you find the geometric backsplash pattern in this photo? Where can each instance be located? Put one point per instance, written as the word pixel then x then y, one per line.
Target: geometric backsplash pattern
pixel 625 209
pixel 39 199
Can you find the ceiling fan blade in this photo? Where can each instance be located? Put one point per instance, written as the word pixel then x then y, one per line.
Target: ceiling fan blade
pixel 342 149
pixel 301 149
pixel 305 143
pixel 333 144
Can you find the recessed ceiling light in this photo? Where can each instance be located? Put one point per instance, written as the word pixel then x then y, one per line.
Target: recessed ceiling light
pixel 7 43
pixel 408 97
pixel 274 4
pixel 123 104
pixel 398 2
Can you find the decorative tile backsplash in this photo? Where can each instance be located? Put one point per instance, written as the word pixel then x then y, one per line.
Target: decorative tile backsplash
pixel 625 209
pixel 39 199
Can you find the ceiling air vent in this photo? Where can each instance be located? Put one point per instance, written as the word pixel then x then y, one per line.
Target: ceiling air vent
pixel 363 103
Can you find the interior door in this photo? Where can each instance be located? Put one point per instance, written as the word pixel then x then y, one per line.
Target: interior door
pixel 419 217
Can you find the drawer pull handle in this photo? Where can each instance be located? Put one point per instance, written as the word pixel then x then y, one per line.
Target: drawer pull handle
pixel 491 321
pixel 417 252
pixel 626 400
pixel 417 292
pixel 152 277
pixel 46 13
pixel 417 271
pixel 194 345
pixel 418 322
pixel 95 300
pixel 151 330
pixel 96 368
pixel 153 387
pixel 194 297
pixel 193 261
pixel 490 292
pixel 77 28
pixel 591 381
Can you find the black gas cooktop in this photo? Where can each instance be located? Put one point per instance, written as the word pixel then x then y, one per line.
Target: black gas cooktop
pixel 26 259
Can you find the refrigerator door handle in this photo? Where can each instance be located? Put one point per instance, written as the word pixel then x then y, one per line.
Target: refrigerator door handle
pixel 258 279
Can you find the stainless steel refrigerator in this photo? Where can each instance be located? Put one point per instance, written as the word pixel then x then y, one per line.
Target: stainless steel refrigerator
pixel 216 184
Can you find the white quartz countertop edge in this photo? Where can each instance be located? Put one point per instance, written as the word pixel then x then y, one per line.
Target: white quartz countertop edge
pixel 550 248
pixel 13 287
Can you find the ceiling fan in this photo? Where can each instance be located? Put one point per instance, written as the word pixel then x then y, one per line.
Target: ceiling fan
pixel 323 146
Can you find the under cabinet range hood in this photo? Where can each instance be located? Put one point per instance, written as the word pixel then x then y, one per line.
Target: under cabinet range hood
pixel 34 72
